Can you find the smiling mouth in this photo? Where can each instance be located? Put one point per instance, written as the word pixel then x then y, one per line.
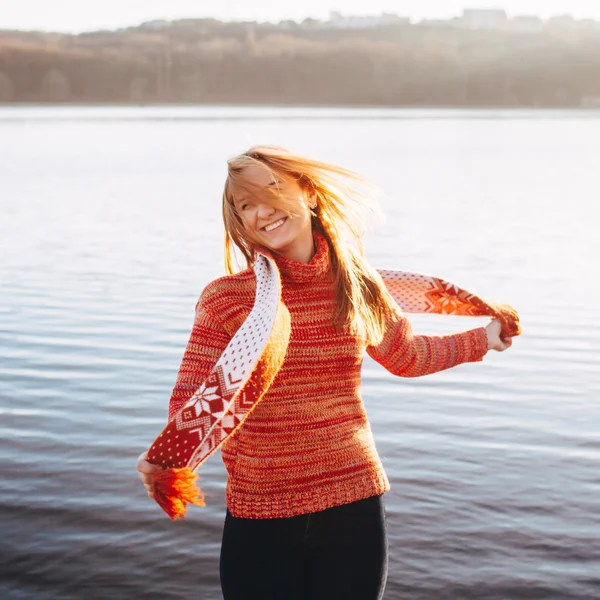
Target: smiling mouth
pixel 273 226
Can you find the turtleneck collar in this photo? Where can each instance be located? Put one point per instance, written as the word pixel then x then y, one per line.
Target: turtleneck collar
pixel 300 272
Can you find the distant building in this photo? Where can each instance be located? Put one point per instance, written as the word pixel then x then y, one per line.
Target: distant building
pixel 393 19
pixel 561 21
pixel 527 24
pixel 475 18
pixel 568 23
pixel 338 20
pixel 455 22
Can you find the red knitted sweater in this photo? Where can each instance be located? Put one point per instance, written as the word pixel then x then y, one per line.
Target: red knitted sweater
pixel 307 445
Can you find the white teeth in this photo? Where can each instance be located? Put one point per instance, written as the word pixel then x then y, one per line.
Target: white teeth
pixel 274 225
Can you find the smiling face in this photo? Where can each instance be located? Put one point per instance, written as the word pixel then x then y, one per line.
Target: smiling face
pixel 287 232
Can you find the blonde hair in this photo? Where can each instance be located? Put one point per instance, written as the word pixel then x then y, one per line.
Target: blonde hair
pixel 362 300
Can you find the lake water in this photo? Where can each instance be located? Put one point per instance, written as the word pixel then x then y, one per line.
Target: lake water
pixel 109 230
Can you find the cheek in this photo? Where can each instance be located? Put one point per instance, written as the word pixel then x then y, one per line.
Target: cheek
pixel 247 228
pixel 247 219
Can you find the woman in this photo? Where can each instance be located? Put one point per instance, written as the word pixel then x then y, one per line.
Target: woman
pixel 305 516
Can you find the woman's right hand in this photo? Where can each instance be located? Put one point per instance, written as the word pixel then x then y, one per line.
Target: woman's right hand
pixel 495 342
pixel 145 469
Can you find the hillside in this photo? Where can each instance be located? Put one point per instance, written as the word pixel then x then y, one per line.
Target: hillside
pixel 207 61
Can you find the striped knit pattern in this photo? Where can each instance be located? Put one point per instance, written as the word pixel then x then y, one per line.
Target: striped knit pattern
pixel 307 445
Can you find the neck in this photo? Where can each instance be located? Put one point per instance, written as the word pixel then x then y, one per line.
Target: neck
pixel 300 252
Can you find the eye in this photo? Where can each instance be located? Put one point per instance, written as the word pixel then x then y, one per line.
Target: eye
pixel 244 206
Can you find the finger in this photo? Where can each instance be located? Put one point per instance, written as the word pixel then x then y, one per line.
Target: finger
pixel 143 464
pixel 146 467
pixel 146 479
pixel 147 471
pixel 150 495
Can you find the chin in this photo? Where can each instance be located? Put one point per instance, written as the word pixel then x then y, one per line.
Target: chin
pixel 276 245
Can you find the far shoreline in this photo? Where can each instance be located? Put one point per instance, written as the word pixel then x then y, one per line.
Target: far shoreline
pixel 282 106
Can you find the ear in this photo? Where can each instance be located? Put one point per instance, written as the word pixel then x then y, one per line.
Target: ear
pixel 315 199
pixel 311 196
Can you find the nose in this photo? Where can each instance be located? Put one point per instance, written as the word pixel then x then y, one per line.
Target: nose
pixel 265 210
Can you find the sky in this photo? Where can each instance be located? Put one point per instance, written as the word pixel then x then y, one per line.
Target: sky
pixel 75 16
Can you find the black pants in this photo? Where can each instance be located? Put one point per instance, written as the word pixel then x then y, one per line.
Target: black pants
pixel 339 553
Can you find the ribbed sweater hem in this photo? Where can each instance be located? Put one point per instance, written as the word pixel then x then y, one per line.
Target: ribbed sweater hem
pixel 297 503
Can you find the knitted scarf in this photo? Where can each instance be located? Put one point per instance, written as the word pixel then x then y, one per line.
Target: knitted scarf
pixel 249 363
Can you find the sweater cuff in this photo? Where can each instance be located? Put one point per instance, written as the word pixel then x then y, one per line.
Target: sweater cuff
pixel 478 342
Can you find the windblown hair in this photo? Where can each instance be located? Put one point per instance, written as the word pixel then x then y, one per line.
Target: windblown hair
pixel 363 302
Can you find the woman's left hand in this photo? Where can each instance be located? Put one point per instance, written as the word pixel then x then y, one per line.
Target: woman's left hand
pixel 146 469
pixel 493 334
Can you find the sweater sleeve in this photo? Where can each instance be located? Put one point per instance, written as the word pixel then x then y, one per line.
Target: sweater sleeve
pixel 407 355
pixel 206 343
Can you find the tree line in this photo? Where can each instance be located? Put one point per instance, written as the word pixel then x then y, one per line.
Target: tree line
pixel 208 61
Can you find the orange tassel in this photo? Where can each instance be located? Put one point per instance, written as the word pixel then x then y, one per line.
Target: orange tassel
pixel 174 488
pixel 509 319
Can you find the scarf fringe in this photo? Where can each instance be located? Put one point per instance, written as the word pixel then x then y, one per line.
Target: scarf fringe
pixel 509 319
pixel 174 488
